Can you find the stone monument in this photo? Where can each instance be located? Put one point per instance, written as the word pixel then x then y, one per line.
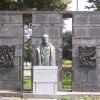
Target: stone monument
pixel 45 73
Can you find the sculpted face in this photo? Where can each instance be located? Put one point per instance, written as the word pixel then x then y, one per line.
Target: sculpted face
pixel 45 39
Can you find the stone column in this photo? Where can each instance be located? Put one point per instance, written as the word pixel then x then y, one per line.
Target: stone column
pixel 86 32
pixel 51 23
pixel 11 34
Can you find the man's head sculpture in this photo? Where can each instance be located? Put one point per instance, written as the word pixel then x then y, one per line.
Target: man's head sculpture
pixel 45 39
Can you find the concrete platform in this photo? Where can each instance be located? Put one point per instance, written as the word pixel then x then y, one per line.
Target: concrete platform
pixel 10 94
pixel 13 98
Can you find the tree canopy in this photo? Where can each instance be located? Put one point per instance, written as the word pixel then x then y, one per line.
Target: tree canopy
pixel 34 4
pixel 67 45
pixel 28 50
pixel 94 4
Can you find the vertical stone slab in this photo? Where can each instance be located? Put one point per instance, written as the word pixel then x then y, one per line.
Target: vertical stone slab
pixel 50 23
pixel 86 32
pixel 11 34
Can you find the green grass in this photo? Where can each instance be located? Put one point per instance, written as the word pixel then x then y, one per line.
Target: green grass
pixel 80 97
pixel 27 82
pixel 66 81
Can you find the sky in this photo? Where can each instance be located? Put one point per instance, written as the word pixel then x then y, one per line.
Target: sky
pixel 81 5
pixel 73 7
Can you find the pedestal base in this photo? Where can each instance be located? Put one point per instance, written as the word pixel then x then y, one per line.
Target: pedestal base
pixel 45 79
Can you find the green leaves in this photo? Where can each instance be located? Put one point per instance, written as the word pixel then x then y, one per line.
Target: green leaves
pixel 28 50
pixel 41 5
pixel 94 4
pixel 67 45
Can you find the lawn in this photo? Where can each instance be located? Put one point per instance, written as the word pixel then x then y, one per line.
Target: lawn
pixel 27 83
pixel 80 97
pixel 66 81
pixel 66 78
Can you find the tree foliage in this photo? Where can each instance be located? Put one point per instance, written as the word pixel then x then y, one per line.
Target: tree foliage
pixel 28 50
pixel 51 4
pixel 34 4
pixel 27 19
pixel 67 45
pixel 94 4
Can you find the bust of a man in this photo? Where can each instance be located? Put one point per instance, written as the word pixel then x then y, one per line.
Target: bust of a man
pixel 45 53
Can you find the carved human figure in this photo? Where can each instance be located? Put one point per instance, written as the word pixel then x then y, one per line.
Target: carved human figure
pixel 45 53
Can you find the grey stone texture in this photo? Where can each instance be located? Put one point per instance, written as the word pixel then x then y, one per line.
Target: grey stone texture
pixel 11 17
pixel 87 87
pixel 86 32
pixel 41 83
pixel 96 87
pixel 11 33
pixel 77 86
pixel 49 23
pixel 46 17
pixel 52 31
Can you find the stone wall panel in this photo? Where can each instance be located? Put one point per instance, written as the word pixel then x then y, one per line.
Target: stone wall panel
pixel 11 31
pixel 86 32
pixel 51 31
pixel 94 19
pixel 80 19
pixel 77 86
pixel 96 87
pixel 10 18
pixel 11 34
pixel 87 87
pixel 39 18
pixel 54 18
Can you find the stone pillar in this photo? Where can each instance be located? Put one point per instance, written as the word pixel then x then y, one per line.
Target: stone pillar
pixel 86 32
pixel 11 34
pixel 51 23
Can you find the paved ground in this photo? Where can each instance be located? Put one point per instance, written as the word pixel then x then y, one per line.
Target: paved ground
pixel 13 98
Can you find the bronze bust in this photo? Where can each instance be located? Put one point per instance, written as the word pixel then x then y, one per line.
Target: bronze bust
pixel 45 53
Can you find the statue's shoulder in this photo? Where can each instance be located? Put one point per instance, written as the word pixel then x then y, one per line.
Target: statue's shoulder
pixel 52 46
pixel 38 48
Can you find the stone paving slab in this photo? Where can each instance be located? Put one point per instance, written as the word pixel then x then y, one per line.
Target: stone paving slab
pixel 15 98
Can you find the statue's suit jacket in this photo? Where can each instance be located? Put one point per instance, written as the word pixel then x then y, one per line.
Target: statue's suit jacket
pixel 52 57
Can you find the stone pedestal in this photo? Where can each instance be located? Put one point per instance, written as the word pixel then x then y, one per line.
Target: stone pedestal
pixel 45 79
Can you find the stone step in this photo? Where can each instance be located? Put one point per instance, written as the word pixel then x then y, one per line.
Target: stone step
pixel 10 94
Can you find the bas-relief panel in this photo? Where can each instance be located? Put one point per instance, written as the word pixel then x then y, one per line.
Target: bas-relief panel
pixel 87 56
pixel 7 54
